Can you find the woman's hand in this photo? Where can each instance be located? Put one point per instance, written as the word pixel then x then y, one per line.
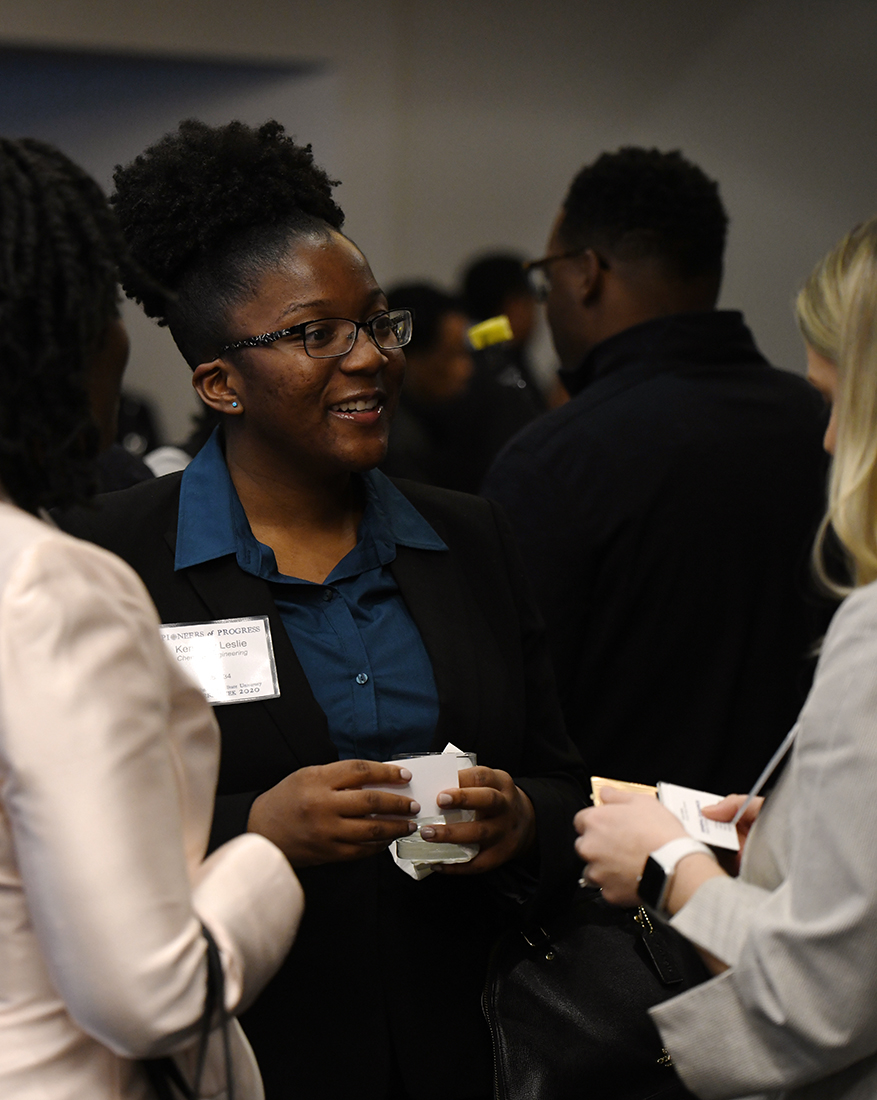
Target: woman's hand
pixel 725 810
pixel 730 804
pixel 320 814
pixel 504 825
pixel 615 840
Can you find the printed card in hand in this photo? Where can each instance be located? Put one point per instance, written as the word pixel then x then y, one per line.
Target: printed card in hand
pixel 687 804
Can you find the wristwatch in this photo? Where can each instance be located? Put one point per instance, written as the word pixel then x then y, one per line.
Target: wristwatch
pixel 657 877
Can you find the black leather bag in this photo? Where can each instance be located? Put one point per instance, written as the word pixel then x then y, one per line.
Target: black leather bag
pixel 567 1005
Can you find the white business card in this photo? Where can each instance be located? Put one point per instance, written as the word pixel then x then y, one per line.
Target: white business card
pixel 686 804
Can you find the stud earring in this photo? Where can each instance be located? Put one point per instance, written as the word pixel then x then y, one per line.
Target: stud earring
pixel 234 404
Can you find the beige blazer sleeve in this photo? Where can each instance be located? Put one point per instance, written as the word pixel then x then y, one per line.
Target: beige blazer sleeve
pixel 797 1011
pixel 108 762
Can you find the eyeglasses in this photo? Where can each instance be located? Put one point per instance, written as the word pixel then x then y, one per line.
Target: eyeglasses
pixel 332 336
pixel 537 270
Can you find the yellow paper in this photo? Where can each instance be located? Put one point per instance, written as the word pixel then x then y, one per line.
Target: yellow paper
pixel 598 783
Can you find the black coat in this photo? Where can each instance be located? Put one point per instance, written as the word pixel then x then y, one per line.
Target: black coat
pixel 665 517
pixel 381 959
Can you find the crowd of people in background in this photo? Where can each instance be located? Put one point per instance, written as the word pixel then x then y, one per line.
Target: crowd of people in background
pixel 602 571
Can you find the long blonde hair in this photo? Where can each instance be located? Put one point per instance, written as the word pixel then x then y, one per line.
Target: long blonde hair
pixel 837 314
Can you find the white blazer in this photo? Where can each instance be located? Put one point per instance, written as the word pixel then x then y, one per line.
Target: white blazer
pixel 108 762
pixel 795 1016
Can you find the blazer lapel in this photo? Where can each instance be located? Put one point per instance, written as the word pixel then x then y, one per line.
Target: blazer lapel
pixel 230 593
pixel 436 595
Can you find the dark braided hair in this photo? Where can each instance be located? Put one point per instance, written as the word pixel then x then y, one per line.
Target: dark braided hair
pixel 638 203
pixel 60 251
pixel 207 211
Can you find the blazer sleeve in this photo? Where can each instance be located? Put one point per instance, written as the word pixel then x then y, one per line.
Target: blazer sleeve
pixel 551 773
pixel 96 720
pixel 799 1002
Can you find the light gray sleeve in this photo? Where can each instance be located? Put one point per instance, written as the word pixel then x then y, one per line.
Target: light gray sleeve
pixel 800 1000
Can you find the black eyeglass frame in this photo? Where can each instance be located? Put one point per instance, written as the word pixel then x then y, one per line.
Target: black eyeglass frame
pixel 267 338
pixel 541 266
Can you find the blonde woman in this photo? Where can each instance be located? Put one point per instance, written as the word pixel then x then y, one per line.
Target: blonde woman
pixel 792 1011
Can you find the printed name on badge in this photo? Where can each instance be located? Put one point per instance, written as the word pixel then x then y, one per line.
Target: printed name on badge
pixel 232 660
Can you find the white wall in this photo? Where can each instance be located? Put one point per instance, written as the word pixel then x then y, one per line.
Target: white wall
pixel 104 109
pixel 775 99
pixel 457 124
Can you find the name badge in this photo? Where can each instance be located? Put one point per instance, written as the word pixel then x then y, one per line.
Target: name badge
pixel 232 660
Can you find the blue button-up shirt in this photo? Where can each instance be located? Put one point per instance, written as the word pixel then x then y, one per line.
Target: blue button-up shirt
pixel 357 643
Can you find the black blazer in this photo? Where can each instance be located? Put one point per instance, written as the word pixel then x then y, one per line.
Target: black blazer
pixel 381 962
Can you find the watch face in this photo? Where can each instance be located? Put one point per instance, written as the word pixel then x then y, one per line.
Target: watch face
pixel 651 885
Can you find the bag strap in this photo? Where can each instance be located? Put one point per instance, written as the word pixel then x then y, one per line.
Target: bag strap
pixel 214 1001
pixel 164 1073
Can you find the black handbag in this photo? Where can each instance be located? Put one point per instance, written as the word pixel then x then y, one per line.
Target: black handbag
pixel 567 1005
pixel 164 1074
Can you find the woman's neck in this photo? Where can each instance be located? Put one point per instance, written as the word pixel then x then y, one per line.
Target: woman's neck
pixel 309 523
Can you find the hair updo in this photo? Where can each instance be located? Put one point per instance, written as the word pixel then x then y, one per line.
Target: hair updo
pixel 206 212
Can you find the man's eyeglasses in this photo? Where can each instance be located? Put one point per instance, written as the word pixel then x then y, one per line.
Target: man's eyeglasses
pixel 332 336
pixel 537 271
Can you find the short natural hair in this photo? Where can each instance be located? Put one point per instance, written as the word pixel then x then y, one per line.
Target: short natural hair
pixel 645 204
pixel 207 211
pixel 490 281
pixel 430 306
pixel 60 251
pixel 841 294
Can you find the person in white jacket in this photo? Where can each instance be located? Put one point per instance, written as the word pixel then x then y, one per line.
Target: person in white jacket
pixel 108 753
pixel 792 1010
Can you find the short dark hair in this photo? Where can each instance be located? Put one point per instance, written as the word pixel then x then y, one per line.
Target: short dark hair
pixel 206 211
pixel 430 306
pixel 60 252
pixel 641 203
pixel 489 282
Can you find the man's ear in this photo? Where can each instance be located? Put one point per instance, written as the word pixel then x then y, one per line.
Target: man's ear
pixel 215 385
pixel 593 269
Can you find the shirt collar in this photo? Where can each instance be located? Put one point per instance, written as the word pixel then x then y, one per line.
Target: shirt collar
pixel 212 522
pixel 395 516
pixel 713 337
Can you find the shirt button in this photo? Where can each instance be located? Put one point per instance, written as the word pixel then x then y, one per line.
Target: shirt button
pixel 328 594
pixel 362 678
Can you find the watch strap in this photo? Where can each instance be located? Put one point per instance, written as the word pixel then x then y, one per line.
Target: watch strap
pixel 654 882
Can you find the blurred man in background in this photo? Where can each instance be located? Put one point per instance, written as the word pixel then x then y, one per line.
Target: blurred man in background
pixel 454 415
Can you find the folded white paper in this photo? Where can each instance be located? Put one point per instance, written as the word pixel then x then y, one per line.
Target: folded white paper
pixel 430 775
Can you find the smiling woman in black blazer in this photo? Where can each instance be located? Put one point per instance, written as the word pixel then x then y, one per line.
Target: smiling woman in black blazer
pixel 398 613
